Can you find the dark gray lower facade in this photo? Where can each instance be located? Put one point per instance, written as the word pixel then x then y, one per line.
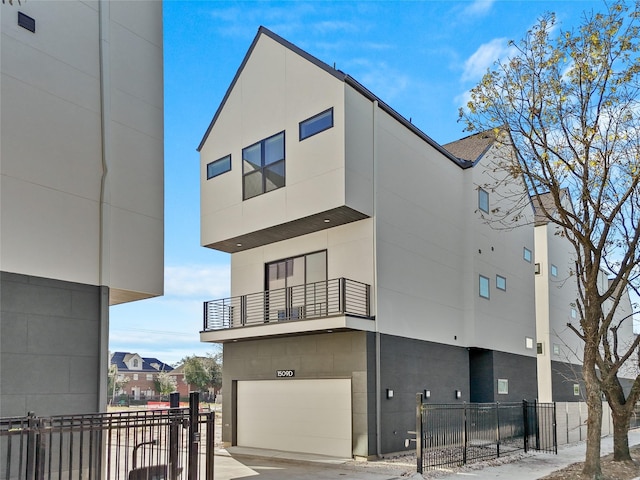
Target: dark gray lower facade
pixel 386 373
pixel 50 345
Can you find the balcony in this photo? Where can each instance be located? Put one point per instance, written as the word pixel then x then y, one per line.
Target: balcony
pixel 337 298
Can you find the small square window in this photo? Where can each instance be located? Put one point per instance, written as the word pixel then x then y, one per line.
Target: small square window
pixel 483 200
pixel 149 376
pixel 528 343
pixel 316 124
pixel 135 376
pixel 501 283
pixel 527 255
pixel 554 271
pixel 484 286
pixel 556 349
pixel 503 386
pixel 576 389
pixel 218 167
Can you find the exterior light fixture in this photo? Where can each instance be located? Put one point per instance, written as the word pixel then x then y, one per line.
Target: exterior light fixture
pixel 326 220
pixel 389 393
pixel 458 394
pixel 427 394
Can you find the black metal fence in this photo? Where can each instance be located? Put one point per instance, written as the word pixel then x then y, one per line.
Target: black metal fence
pixel 451 435
pixel 172 444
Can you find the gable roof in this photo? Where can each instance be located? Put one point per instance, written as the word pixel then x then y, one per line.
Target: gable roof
pixel 340 76
pixel 119 358
pixel 472 148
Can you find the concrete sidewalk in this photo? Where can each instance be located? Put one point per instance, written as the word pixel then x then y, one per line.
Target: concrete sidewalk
pixel 239 463
pixel 538 465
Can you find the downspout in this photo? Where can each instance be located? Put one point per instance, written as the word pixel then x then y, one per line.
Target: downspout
pixel 104 258
pixel 375 276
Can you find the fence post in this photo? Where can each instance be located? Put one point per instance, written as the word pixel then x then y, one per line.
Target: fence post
pixel 536 419
pixel 174 425
pixel 464 433
pixel 194 435
pixel 525 419
pixel 211 441
pixel 498 429
pixel 419 432
pixel 555 430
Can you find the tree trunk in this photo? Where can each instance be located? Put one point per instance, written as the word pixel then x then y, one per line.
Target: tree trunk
pixel 621 436
pixel 592 468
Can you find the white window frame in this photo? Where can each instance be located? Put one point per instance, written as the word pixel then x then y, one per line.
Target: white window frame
pixel 503 386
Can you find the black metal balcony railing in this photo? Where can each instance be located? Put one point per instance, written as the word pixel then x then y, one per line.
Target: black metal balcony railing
pixel 339 296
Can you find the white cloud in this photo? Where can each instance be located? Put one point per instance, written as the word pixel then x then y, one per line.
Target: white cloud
pixel 484 57
pixel 384 81
pixel 196 281
pixel 478 8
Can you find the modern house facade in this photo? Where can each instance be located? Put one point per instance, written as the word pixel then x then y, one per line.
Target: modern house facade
pixel 81 192
pixel 363 268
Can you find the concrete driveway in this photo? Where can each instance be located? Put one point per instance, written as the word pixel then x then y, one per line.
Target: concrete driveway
pixel 239 463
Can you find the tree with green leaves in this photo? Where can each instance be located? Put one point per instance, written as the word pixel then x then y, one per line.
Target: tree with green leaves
pixel 203 372
pixel 566 105
pixel 165 383
pixel 115 381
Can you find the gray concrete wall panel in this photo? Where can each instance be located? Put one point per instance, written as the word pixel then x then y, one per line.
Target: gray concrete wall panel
pixel 49 347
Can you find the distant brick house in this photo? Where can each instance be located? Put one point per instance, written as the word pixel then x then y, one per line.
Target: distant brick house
pixel 184 388
pixel 141 372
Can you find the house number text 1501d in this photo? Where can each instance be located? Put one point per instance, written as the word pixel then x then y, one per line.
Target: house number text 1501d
pixel 285 373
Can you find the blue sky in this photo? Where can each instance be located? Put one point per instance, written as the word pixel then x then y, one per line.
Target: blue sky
pixel 420 57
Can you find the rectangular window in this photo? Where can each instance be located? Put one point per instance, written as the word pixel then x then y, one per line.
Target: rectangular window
pixel 316 124
pixel 218 167
pixel 574 313
pixel 528 343
pixel 483 286
pixel 149 376
pixel 483 200
pixel 554 271
pixel 501 283
pixel 527 255
pixel 135 376
pixel 540 349
pixel 576 389
pixel 556 349
pixel 263 166
pixel 503 386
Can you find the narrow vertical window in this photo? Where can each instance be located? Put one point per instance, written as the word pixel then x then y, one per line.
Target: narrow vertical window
pixel 527 255
pixel 483 200
pixel 501 283
pixel 483 286
pixel 554 271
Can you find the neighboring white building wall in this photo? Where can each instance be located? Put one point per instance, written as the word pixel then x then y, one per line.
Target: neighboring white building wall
pixel 53 129
pixel 81 192
pixel 495 245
